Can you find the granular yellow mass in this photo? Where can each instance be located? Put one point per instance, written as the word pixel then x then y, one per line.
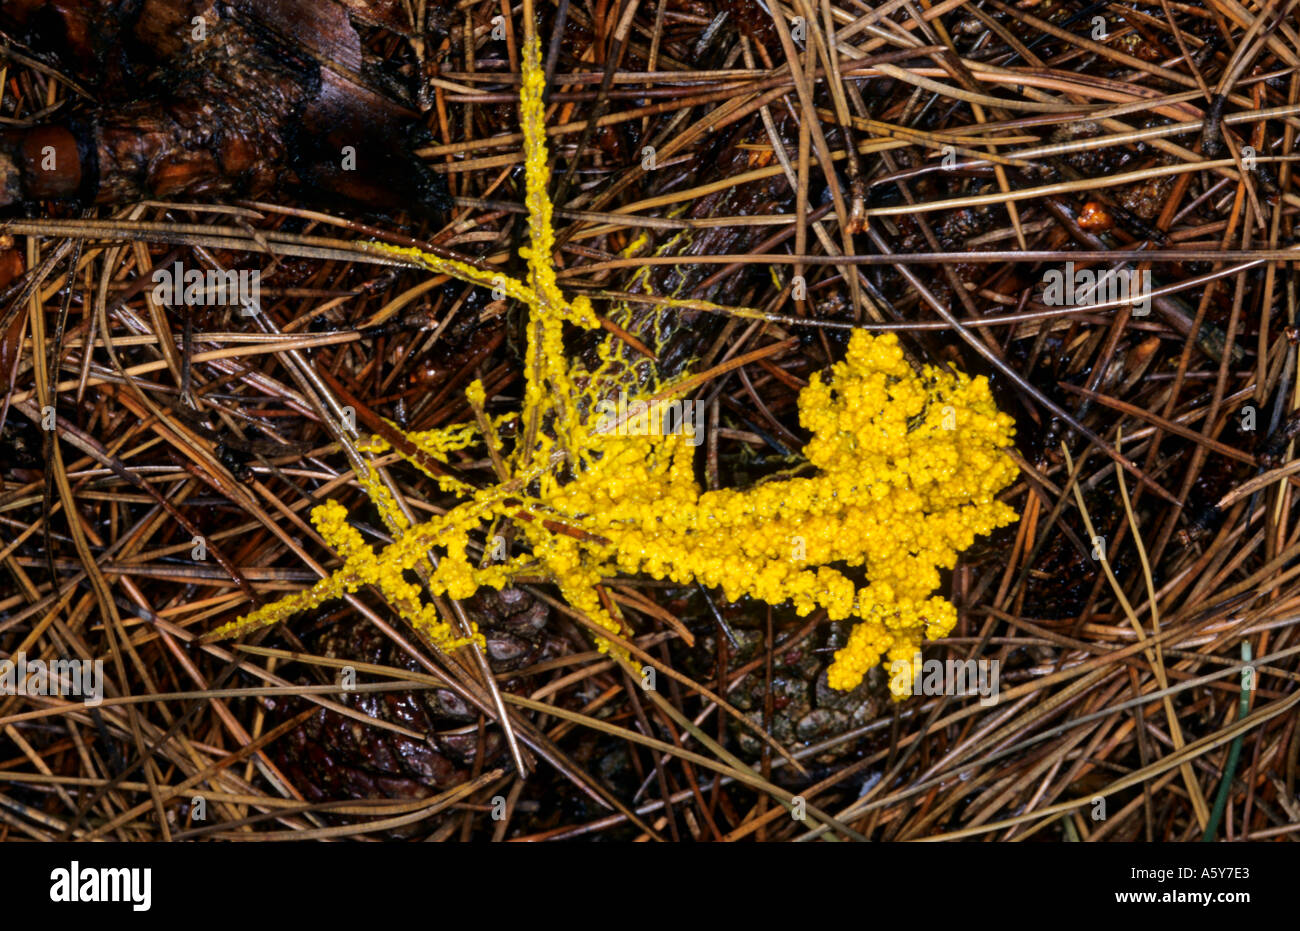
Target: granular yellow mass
pixel 901 474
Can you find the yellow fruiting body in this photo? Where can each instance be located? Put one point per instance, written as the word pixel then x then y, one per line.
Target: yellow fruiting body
pixel 904 467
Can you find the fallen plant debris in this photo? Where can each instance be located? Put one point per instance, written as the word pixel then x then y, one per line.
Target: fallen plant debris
pixel 363 552
pixel 204 99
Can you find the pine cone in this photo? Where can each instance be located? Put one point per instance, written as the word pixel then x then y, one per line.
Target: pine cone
pixel 335 757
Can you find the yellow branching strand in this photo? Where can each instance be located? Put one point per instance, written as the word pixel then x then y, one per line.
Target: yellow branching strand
pixel 906 466
pixel 461 271
pixel 537 175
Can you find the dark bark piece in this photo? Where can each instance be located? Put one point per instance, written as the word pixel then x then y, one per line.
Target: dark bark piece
pixel 322 30
pixel 390 14
pixel 264 93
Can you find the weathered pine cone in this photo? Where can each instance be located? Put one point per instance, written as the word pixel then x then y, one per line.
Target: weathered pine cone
pixel 335 757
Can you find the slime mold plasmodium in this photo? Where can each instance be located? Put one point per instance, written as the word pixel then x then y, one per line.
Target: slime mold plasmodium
pixel 903 469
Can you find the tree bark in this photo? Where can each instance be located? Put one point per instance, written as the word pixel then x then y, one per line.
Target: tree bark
pixel 203 99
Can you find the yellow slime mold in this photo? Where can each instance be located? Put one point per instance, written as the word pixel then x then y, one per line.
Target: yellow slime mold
pixel 905 469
